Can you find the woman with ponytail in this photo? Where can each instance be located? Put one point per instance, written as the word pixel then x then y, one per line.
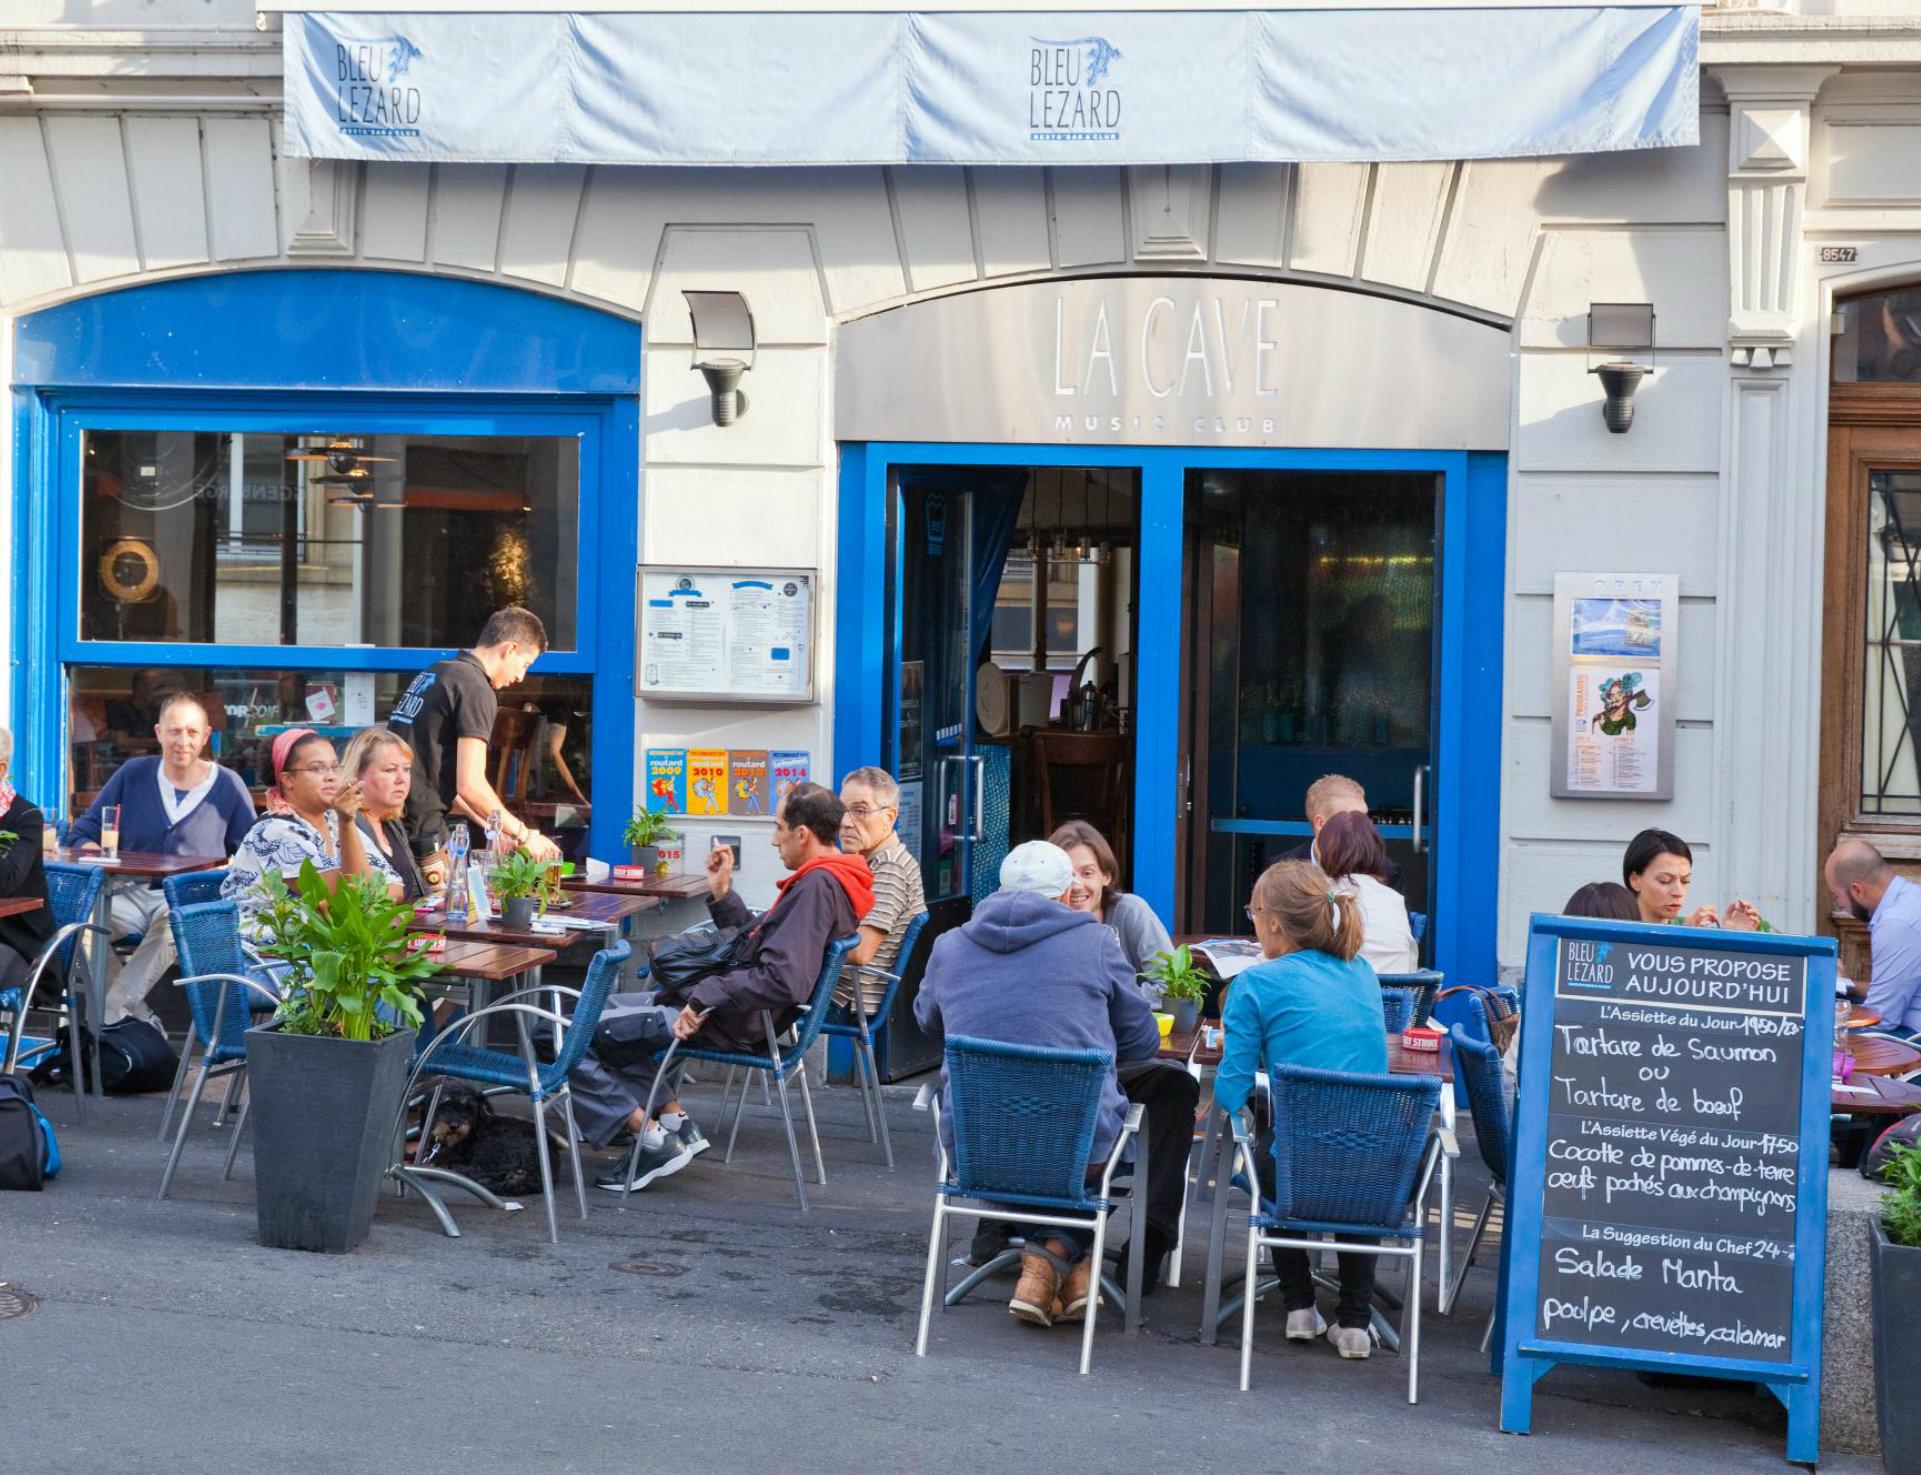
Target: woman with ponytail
pixel 1312 1001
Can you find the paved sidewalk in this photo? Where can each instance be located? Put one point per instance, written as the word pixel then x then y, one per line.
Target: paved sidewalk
pixel 710 1327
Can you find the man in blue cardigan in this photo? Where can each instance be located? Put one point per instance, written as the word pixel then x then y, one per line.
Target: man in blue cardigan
pixel 180 803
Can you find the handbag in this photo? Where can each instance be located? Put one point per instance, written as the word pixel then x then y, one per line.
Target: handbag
pixel 682 961
pixel 1503 1018
pixel 132 1057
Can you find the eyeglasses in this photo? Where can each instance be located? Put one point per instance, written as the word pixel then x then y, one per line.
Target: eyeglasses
pixel 322 770
pixel 868 811
pixel 1253 914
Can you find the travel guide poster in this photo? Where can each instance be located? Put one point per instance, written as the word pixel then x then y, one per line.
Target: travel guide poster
pixel 707 781
pixel 667 780
pixel 747 782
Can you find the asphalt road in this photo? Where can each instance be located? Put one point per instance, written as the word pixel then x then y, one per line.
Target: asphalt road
pixel 710 1327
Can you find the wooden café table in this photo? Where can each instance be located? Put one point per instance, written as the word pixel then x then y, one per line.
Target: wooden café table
pixel 13 906
pixel 595 912
pixel 129 869
pixel 679 900
pixel 1195 1050
pixel 1876 1055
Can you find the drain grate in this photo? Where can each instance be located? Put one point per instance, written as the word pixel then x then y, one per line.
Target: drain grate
pixel 648 1267
pixel 14 1302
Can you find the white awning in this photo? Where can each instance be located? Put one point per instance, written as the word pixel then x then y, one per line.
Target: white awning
pixel 778 82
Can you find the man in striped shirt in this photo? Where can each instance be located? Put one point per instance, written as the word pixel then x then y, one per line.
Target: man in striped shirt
pixel 872 799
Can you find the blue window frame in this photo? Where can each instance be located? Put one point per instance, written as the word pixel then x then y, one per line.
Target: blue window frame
pixel 317 353
pixel 1470 609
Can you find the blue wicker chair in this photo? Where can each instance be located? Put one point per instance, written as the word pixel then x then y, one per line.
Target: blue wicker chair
pixel 457 1052
pixel 780 1062
pixel 214 969
pixel 1353 1156
pixel 1478 1063
pixel 858 1025
pixel 1408 998
pixel 1024 1119
pixel 190 888
pixel 72 892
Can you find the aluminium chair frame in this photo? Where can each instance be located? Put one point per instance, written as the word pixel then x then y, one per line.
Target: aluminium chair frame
pixel 947 1204
pixel 872 1101
pixel 235 1067
pixel 67 1011
pixel 1411 1251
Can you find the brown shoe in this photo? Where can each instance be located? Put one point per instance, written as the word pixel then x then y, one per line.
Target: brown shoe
pixel 1074 1290
pixel 1037 1295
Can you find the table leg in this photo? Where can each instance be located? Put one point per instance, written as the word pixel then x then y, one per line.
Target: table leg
pixel 99 944
pixel 1444 1255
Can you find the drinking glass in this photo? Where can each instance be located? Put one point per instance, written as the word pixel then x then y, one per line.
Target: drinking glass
pixel 110 832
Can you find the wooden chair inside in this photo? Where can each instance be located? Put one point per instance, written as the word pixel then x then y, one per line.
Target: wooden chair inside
pixel 1084 775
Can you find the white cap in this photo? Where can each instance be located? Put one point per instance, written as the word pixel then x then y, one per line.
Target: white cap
pixel 1039 867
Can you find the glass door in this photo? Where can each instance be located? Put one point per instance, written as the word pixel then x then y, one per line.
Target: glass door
pixel 1320 598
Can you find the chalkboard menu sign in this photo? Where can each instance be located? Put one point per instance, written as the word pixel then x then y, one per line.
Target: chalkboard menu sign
pixel 1668 1200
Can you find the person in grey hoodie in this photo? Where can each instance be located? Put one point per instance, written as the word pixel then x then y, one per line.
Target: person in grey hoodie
pixel 1029 969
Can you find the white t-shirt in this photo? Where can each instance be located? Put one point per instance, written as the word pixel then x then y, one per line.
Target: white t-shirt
pixel 1387 941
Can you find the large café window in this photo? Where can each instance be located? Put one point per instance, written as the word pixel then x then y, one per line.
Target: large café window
pixel 348 543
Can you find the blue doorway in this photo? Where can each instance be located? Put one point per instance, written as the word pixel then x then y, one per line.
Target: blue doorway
pixel 1365 591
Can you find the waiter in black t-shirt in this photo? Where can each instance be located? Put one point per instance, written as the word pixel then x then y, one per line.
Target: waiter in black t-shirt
pixel 447 716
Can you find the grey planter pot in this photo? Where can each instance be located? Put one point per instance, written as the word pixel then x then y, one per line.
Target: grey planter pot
pixel 323 1114
pixel 1897 1353
pixel 1187 1015
pixel 646 855
pixel 517 911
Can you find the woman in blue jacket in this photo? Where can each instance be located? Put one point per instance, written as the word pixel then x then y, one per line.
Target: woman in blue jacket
pixel 1312 1002
pixel 179 803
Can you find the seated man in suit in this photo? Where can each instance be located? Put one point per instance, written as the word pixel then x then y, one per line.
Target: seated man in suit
pixel 821 900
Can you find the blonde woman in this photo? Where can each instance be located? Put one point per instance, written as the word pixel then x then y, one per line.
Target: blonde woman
pixel 383 765
pixel 1315 1002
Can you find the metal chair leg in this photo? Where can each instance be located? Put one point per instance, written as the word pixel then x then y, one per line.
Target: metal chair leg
pixel 546 1169
pixel 1248 1298
pixel 813 1128
pixel 179 1080
pixel 186 1121
pixel 573 1151
pixel 1099 1253
pixel 739 1107
pixel 935 1257
pixel 880 1104
pixel 79 1064
pixel 793 1143
pixel 1411 1328
pixel 1450 1292
pixel 227 1105
pixel 1136 1254
pixel 233 1147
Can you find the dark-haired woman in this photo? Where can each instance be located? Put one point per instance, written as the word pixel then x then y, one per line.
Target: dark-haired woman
pixel 1605 901
pixel 1658 868
pixel 1352 853
pixel 310 818
pixel 1140 931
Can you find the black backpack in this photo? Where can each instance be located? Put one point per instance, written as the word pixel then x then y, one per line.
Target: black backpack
pixel 134 1058
pixel 26 1144
pixel 1904 1133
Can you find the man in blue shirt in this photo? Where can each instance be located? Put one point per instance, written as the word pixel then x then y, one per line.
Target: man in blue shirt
pixel 1864 883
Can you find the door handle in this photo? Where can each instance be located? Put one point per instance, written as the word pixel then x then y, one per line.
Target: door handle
pixel 1420 809
pixel 977 832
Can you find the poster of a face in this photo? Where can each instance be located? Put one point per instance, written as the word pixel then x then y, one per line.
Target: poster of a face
pixel 1613 739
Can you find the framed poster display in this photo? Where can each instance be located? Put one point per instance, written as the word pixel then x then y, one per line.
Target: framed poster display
pixel 726 635
pixel 1614 685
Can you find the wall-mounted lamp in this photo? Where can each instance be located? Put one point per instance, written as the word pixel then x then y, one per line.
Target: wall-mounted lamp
pixel 1621 328
pixel 723 348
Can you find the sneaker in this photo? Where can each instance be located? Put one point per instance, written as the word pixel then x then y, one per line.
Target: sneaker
pixel 1305 1325
pixel 1350 1341
pixel 692 1138
pixel 1038 1292
pixel 1074 1291
pixel 655 1162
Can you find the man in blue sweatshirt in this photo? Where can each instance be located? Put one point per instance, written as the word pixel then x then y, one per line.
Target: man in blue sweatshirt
pixel 1028 969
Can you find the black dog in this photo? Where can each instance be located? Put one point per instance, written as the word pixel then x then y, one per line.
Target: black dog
pixel 472 1139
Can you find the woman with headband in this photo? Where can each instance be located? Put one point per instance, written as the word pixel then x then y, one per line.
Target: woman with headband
pixel 1312 1001
pixel 310 817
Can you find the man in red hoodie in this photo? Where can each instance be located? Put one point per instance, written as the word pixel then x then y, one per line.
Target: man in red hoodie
pixel 822 899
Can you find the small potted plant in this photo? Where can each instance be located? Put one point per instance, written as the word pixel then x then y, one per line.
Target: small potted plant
pixel 525 884
pixel 328 1072
pixel 644 833
pixel 1182 985
pixel 1897 1291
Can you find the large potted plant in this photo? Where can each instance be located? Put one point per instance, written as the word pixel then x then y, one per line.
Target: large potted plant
pixel 1897 1331
pixel 328 1072
pixel 643 835
pixel 523 884
pixel 1182 984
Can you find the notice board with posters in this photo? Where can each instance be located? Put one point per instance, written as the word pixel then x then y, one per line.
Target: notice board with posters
pixel 1667 1201
pixel 726 635
pixel 1615 685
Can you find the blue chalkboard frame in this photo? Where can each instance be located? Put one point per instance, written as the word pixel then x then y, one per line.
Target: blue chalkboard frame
pixel 1523 1356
